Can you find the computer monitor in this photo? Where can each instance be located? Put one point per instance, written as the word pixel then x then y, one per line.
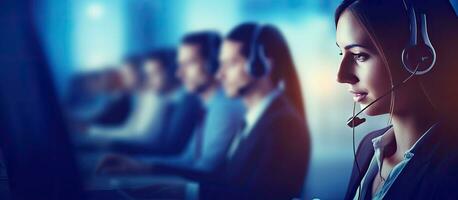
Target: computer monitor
pixel 33 136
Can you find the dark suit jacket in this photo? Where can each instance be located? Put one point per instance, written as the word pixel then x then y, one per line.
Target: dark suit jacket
pixel 431 174
pixel 187 114
pixel 270 163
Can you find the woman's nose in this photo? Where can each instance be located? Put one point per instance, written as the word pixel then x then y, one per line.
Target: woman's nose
pixel 346 73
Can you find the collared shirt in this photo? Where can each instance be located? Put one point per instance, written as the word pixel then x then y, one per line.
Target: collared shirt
pixel 252 116
pixel 380 144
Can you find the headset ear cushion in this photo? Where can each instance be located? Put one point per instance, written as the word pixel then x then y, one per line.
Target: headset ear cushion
pixel 257 68
pixel 260 64
pixel 420 55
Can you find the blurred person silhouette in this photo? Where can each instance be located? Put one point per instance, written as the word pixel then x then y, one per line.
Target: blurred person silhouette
pixel 133 85
pixel 118 118
pixel 84 97
pixel 168 120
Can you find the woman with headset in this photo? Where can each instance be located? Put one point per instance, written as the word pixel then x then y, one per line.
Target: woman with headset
pixel 398 59
pixel 269 156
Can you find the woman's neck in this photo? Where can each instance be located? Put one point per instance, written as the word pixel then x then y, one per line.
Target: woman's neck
pixel 257 94
pixel 408 128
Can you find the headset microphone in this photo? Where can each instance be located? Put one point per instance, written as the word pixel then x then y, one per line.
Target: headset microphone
pixel 355 121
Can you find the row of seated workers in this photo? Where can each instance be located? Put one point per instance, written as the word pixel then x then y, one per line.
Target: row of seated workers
pixel 235 130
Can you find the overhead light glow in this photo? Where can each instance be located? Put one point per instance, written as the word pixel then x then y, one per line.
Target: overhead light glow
pixel 95 11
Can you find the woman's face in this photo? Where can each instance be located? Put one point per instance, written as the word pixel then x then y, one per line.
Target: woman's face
pixel 232 73
pixel 362 67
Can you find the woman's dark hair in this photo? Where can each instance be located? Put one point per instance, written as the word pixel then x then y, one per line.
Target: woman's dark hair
pixel 209 43
pixel 276 49
pixel 167 59
pixel 388 26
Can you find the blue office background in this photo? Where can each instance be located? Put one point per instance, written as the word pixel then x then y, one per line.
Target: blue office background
pixel 86 35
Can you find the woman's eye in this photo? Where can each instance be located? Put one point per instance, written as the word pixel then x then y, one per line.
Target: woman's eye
pixel 340 53
pixel 360 57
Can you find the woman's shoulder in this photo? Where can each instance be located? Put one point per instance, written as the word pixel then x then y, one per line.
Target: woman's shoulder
pixel 371 135
pixel 366 146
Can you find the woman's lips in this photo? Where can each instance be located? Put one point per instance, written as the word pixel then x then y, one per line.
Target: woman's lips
pixel 359 96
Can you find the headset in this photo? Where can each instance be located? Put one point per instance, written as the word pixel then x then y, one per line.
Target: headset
pixel 418 58
pixel 419 51
pixel 258 65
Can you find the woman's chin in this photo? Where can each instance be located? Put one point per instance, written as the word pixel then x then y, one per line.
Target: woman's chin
pixel 372 111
